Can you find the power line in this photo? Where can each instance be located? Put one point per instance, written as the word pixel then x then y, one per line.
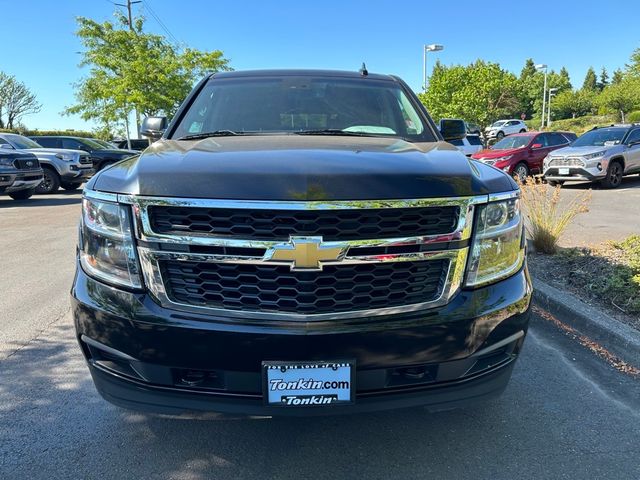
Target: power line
pixel 160 22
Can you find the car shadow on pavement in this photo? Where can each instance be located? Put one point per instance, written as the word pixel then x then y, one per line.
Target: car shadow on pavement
pixel 630 182
pixel 69 198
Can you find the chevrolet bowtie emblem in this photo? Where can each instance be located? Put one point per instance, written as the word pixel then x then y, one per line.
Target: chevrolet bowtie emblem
pixel 306 253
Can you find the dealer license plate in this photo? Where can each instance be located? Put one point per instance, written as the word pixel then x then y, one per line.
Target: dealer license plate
pixel 300 384
pixel 563 171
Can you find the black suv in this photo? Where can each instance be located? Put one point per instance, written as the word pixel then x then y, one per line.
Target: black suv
pixel 20 174
pixel 298 243
pixel 101 156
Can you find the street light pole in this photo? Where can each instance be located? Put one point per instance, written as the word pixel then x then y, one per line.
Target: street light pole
pixel 543 66
pixel 427 48
pixel 552 92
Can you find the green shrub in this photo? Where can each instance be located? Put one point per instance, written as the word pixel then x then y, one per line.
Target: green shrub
pixel 634 117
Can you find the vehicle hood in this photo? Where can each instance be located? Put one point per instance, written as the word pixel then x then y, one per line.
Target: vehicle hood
pixel 291 167
pixel 53 151
pixel 492 153
pixel 578 151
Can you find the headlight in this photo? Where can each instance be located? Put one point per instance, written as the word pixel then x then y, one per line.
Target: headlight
pixel 67 157
pixel 502 159
pixel 497 250
pixel 6 162
pixel 106 246
pixel 591 156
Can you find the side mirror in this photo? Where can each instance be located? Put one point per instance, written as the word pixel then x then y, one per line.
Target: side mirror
pixel 453 129
pixel 536 145
pixel 153 127
pixel 6 146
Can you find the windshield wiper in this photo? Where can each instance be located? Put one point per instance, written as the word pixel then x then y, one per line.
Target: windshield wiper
pixel 333 131
pixel 217 133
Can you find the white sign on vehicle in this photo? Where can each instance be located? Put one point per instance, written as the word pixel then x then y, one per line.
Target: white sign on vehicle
pixel 563 171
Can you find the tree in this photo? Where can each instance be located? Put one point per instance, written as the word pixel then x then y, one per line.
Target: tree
pixel 16 101
pixel 621 98
pixel 633 67
pixel 564 81
pixel 480 92
pixel 572 104
pixel 617 76
pixel 590 80
pixel 133 70
pixel 603 81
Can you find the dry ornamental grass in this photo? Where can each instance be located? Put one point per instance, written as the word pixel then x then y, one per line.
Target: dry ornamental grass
pixel 546 218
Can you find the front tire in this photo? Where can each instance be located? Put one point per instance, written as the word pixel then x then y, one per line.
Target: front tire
pixel 23 194
pixel 521 172
pixel 71 186
pixel 499 135
pixel 50 183
pixel 614 175
pixel 522 131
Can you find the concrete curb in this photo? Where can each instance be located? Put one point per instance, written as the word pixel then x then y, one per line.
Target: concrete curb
pixel 617 337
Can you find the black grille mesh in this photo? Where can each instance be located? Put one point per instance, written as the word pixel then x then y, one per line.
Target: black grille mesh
pixel 262 224
pixel 270 288
pixel 26 164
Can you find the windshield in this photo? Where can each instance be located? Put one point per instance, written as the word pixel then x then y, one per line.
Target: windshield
pixel 512 142
pixel 91 144
pixel 596 138
pixel 295 104
pixel 102 142
pixel 20 143
pixel 499 123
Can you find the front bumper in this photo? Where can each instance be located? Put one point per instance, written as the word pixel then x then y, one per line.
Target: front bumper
pixel 15 180
pixel 77 173
pixel 579 174
pixel 139 353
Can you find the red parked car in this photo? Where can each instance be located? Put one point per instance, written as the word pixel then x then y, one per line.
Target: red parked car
pixel 521 154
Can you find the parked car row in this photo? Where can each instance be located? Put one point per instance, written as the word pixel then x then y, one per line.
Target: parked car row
pixel 62 161
pixel 603 155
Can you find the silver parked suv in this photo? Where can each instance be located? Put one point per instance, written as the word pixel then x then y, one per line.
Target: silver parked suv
pixel 602 155
pixel 62 167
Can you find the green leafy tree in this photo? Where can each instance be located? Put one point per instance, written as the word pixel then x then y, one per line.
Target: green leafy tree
pixel 603 81
pixel 618 75
pixel 480 92
pixel 530 88
pixel 572 104
pixel 133 70
pixel 633 67
pixel 621 98
pixel 590 80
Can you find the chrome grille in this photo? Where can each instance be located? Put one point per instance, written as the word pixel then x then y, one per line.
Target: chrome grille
pixel 248 277
pixel 332 225
pixel 85 160
pixel 566 162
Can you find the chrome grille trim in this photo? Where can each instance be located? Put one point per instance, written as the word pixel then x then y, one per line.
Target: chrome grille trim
pixel 173 248
pixel 566 162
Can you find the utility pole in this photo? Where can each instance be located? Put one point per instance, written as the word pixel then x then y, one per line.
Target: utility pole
pixel 128 7
pixel 130 22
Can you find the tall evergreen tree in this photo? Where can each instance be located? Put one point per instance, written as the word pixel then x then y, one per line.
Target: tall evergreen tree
pixel 603 81
pixel 618 75
pixel 565 80
pixel 590 80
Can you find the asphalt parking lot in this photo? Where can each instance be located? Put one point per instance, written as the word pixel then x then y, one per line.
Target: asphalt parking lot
pixel 566 414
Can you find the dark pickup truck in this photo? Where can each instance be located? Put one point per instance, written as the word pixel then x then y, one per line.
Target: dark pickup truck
pixel 20 174
pixel 300 243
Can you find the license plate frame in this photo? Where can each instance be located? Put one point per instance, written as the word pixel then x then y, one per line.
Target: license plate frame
pixel 563 171
pixel 297 371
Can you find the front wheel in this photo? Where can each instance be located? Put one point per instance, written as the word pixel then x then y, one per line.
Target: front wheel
pixel 23 194
pixel 500 135
pixel 522 131
pixel 71 186
pixel 521 172
pixel 50 182
pixel 614 175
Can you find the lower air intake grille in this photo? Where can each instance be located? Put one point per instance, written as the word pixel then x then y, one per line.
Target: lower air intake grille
pixel 269 288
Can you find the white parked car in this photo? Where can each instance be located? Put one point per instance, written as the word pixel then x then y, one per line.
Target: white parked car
pixel 468 145
pixel 502 128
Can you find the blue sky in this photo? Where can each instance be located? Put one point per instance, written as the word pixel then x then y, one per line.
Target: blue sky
pixel 39 47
